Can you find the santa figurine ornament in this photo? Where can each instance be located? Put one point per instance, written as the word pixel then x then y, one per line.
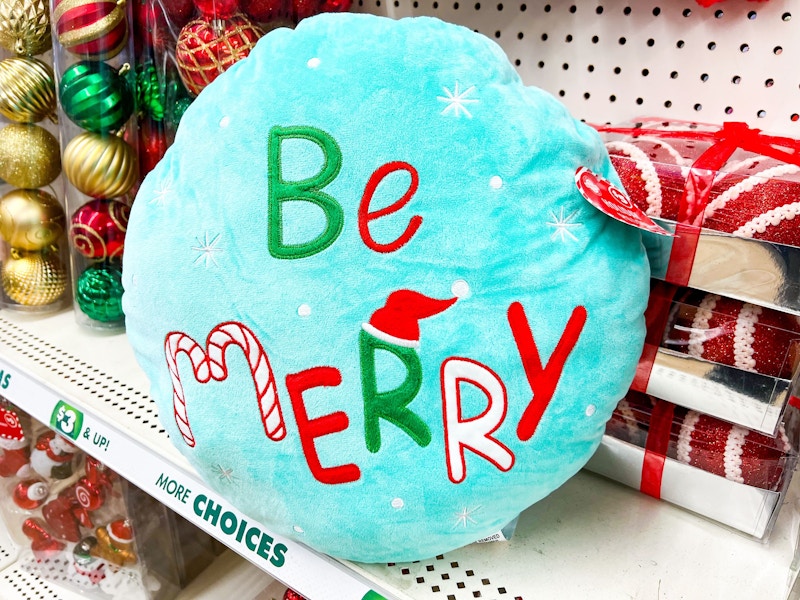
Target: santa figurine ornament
pixel 15 446
pixel 52 456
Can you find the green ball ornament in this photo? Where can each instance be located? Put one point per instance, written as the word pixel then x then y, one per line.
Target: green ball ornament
pixel 149 95
pixel 96 96
pixel 98 292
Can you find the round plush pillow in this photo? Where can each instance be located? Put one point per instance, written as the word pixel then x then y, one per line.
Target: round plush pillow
pixel 376 312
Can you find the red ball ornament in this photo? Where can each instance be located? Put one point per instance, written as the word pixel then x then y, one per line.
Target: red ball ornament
pixel 217 9
pixel 151 27
pixel 152 144
pixel 179 12
pixel 206 48
pixel 96 29
pixel 30 494
pixel 734 333
pixel 335 5
pixel 264 11
pixel 290 594
pixel 97 229
pixel 302 9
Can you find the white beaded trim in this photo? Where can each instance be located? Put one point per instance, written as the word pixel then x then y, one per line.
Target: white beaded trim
pixel 747 185
pixel 700 330
pixel 773 218
pixel 786 446
pixel 744 335
pixel 734 446
pixel 648 172
pixel 683 448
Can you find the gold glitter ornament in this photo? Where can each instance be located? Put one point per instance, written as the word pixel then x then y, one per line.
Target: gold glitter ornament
pixel 29 156
pixel 25 26
pixel 100 166
pixel 33 278
pixel 31 219
pixel 27 90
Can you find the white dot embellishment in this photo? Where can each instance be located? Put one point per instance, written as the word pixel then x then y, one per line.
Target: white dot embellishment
pixel 224 122
pixel 313 63
pixel 304 310
pixel 590 410
pixel 496 182
pixel 398 503
pixel 460 288
pixel 298 529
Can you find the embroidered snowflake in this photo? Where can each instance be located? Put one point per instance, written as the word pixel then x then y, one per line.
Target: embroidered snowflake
pixel 224 474
pixel 162 194
pixel 562 225
pixel 464 517
pixel 456 100
pixel 206 249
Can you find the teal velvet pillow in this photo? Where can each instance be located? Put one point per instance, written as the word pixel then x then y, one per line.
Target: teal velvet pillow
pixel 376 312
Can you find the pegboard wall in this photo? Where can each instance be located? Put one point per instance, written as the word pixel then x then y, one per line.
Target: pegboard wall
pixel 612 61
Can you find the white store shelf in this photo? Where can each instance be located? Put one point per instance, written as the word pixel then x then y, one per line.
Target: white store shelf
pixel 590 538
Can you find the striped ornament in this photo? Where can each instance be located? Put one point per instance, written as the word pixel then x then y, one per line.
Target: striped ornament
pixel 100 166
pixel 96 29
pixel 27 90
pixel 95 96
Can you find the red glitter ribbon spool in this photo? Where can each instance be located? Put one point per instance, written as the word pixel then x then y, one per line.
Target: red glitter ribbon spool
pixel 724 141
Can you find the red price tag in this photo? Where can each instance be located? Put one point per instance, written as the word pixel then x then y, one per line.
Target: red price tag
pixel 609 199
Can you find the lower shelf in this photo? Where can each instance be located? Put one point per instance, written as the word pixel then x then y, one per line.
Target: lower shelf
pixel 591 538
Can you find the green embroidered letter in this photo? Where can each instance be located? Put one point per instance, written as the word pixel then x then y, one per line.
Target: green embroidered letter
pixel 306 190
pixel 390 405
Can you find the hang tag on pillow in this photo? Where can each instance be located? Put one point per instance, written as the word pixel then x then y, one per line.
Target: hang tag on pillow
pixel 609 199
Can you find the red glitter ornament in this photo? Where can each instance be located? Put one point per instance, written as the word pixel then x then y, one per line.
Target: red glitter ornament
pixel 97 229
pixel 96 29
pixel 264 11
pixel 43 544
pixel 290 594
pixel 152 144
pixel 734 333
pixel 205 48
pixel 217 9
pixel 60 517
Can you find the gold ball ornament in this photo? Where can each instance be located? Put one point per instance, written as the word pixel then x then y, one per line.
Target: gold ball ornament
pixel 27 90
pixel 100 166
pixel 25 26
pixel 29 156
pixel 34 278
pixel 31 219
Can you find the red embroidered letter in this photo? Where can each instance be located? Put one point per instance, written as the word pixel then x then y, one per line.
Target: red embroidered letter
pixel 543 381
pixel 476 432
pixel 296 384
pixel 365 216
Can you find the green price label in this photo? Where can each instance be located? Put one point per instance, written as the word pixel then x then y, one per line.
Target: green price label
pixel 67 420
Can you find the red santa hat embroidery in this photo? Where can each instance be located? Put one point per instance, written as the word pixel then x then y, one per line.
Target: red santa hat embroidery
pixel 397 321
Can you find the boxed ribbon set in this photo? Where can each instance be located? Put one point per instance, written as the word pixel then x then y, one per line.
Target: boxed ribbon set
pixel 730 474
pixel 729 194
pixel 709 423
pixel 79 525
